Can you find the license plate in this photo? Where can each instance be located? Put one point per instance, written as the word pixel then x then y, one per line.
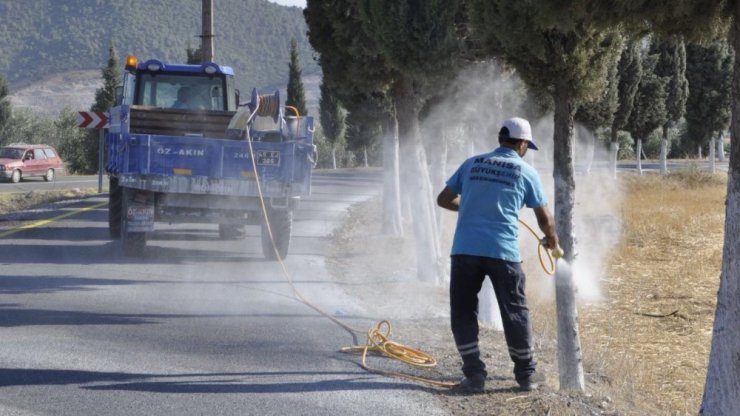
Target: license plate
pixel 268 157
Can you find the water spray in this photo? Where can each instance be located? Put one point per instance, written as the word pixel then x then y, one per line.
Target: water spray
pixel 378 337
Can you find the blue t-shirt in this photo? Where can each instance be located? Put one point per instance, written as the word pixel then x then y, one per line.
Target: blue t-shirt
pixel 493 188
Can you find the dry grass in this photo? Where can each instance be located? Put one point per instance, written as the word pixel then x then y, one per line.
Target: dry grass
pixel 23 200
pixel 651 337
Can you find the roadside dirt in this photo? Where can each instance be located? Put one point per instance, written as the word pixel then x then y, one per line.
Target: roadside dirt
pixel 24 200
pixel 382 268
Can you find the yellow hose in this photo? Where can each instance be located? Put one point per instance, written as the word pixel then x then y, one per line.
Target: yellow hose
pixel 377 338
pixel 540 248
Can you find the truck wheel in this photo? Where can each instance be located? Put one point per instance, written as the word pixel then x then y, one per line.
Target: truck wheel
pixel 115 194
pixel 232 231
pixel 134 243
pixel 281 223
pixel 49 177
pixel 16 176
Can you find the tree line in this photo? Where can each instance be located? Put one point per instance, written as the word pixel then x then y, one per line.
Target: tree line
pixel 625 68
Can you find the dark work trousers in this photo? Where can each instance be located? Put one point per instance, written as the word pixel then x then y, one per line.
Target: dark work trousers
pixel 466 279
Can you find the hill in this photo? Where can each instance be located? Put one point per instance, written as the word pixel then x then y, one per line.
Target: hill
pixel 49 40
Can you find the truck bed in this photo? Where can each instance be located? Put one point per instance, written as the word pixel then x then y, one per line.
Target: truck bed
pixel 174 151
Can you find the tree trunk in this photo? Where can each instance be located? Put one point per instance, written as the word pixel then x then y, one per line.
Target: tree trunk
pixel 614 152
pixel 489 313
pixel 638 155
pixel 721 146
pixel 664 156
pixel 364 156
pixel 416 184
pixel 438 163
pixel 700 155
pixel 712 165
pixel 333 156
pixel 721 391
pixel 392 224
pixel 569 344
pixel 613 155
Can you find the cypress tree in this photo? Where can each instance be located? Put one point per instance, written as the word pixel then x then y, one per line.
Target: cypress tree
pixel 708 109
pixel 629 74
pixel 649 112
pixel 332 120
pixel 671 66
pixel 296 94
pixel 5 108
pixel 105 98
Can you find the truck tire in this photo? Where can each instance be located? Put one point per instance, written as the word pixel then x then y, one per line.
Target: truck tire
pixel 15 177
pixel 49 177
pixel 232 231
pixel 115 194
pixel 281 223
pixel 134 243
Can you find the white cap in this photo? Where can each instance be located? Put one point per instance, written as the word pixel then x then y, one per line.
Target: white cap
pixel 517 128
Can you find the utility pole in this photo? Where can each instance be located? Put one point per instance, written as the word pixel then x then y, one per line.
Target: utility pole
pixel 206 38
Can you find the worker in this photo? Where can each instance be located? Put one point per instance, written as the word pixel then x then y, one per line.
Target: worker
pixel 488 191
pixel 183 98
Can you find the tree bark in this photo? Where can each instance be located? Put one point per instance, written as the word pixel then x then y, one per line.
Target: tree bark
pixel 416 184
pixel 569 345
pixel 392 224
pixel 664 156
pixel 438 164
pixel 712 165
pixel 722 388
pixel 333 156
pixel 613 155
pixel 364 157
pixel 638 156
pixel 721 146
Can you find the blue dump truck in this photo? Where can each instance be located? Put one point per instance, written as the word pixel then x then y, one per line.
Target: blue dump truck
pixel 181 149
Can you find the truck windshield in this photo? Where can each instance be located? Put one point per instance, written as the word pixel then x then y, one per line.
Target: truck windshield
pixel 187 92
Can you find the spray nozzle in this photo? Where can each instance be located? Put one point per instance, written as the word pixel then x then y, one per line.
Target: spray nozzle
pixel 557 252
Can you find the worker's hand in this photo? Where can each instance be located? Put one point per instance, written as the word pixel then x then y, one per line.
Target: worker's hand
pixel 551 242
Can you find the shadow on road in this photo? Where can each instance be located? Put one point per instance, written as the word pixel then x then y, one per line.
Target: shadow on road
pixel 240 382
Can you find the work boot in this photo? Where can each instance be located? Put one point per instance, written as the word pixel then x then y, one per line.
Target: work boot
pixel 528 385
pixel 474 384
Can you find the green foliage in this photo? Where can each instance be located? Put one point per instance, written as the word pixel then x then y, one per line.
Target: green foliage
pixel 709 107
pixel 71 142
pixel 599 113
pixel 345 158
pixel 362 135
pixel 332 116
pixel 24 127
pixel 5 108
pixel 649 112
pixel 46 37
pixel 105 97
pixel 296 92
pixel 671 66
pixel 417 37
pixel 554 47
pixel 194 55
pixel 629 74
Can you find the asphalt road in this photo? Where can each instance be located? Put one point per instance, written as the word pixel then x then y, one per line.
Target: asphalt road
pixel 199 326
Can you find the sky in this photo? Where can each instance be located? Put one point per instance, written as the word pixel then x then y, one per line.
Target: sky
pixel 299 3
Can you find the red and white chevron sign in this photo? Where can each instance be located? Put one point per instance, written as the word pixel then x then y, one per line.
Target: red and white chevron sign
pixel 92 119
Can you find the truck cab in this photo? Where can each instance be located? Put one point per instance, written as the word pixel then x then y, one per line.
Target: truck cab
pixel 179 86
